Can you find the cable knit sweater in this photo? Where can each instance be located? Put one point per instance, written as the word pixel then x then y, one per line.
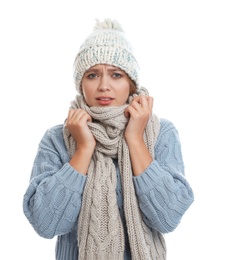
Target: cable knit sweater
pixel 53 199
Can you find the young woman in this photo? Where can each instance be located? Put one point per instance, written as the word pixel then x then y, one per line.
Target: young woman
pixel 110 180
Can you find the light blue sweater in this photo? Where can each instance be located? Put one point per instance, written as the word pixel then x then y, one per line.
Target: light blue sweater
pixel 53 199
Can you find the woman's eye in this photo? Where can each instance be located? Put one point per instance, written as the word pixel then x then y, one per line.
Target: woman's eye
pixel 92 76
pixel 117 75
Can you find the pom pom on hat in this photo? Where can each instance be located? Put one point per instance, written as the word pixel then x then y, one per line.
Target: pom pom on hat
pixel 108 24
pixel 106 45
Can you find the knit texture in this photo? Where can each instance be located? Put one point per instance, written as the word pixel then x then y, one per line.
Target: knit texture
pixel 100 229
pixel 106 45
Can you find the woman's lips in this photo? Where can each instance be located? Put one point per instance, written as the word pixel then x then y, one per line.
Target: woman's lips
pixel 104 100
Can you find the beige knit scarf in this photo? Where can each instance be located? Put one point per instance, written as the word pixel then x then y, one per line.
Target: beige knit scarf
pixel 100 229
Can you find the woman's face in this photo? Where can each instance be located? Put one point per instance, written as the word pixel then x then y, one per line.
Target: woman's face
pixel 105 85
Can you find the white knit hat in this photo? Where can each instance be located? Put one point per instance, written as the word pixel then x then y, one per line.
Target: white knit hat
pixel 106 45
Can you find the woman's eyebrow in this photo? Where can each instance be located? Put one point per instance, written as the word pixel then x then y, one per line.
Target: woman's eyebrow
pixel 91 70
pixel 114 69
pixel 108 69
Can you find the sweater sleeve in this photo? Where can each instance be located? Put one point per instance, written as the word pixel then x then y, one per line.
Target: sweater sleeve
pixel 53 198
pixel 162 190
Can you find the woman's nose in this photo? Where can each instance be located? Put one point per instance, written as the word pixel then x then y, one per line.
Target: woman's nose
pixel 103 84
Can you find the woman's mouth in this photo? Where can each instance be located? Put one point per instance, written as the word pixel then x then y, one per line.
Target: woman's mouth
pixel 104 100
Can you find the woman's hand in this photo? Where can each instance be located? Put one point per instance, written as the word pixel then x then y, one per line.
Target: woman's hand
pixel 85 142
pixel 78 128
pixel 139 112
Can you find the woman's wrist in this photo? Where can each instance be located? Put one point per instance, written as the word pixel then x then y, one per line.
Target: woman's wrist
pixel 139 154
pixel 134 140
pixel 81 159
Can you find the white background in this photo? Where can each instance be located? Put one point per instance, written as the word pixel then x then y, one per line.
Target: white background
pixel 180 49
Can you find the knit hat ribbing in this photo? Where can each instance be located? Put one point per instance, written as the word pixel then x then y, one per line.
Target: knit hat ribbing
pixel 106 45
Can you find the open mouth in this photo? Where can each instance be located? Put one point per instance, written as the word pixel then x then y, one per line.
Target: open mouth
pixel 104 98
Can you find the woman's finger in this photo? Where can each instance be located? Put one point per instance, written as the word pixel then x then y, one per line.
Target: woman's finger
pixel 130 110
pixel 78 116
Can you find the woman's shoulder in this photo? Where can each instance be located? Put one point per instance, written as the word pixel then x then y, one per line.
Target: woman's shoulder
pixel 55 130
pixel 53 141
pixel 167 130
pixel 53 134
pixel 166 125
